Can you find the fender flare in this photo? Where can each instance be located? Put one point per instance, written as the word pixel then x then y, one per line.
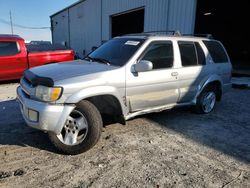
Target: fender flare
pixel 205 83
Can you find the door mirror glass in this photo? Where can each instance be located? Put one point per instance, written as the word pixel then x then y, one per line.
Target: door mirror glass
pixel 142 66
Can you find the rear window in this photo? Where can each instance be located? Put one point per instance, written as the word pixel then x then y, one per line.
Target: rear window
pixel 45 47
pixel 188 53
pixel 216 51
pixel 191 54
pixel 8 48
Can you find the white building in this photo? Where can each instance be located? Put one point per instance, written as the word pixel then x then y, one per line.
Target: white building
pixel 88 23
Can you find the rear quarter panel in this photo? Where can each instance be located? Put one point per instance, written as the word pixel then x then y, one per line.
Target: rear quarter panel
pixel 222 69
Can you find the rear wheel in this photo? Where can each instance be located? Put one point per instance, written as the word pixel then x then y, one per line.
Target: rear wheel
pixel 206 101
pixel 81 131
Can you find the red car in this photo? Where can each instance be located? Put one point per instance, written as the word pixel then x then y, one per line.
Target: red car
pixel 15 56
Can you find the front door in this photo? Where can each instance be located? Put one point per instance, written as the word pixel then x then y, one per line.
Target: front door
pixel 157 87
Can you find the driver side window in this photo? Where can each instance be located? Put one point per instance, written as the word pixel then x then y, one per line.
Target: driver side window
pixel 160 54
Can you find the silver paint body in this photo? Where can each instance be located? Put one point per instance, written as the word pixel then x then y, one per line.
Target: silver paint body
pixel 137 93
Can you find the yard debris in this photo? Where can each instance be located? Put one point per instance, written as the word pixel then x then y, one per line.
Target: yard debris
pixel 183 173
pixel 19 172
pixel 4 174
pixel 107 137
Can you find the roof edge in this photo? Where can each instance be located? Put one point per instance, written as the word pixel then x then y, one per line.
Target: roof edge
pixel 68 7
pixel 10 36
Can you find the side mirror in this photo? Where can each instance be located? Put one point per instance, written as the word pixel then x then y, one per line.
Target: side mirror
pixel 142 66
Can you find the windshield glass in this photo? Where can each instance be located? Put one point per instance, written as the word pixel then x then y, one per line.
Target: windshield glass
pixel 116 51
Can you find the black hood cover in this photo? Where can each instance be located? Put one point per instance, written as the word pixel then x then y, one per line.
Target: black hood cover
pixel 35 80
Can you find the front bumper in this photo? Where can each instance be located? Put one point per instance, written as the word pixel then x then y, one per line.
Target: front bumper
pixel 50 117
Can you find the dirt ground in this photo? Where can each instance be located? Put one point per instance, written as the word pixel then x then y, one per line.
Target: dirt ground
pixel 176 148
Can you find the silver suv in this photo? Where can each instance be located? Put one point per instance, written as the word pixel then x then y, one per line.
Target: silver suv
pixel 125 77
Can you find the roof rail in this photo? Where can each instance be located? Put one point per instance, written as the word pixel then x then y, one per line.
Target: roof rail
pixel 155 33
pixel 209 36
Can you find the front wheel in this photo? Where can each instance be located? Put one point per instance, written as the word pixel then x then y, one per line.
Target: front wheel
pixel 81 130
pixel 206 101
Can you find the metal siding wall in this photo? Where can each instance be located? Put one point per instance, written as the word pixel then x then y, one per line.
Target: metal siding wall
pixel 85 26
pixel 111 7
pixel 95 24
pixel 156 14
pixel 182 15
pixel 77 41
pixel 60 30
pixel 159 14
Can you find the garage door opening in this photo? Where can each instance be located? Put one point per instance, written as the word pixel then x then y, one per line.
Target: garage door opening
pixel 227 22
pixel 126 23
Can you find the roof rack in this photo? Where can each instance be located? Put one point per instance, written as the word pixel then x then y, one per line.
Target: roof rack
pixel 155 33
pixel 170 32
pixel 209 36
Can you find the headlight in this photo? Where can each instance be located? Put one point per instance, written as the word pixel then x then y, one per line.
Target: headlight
pixel 48 94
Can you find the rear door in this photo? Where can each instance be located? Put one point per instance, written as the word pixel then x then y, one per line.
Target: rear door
pixel 13 61
pixel 193 71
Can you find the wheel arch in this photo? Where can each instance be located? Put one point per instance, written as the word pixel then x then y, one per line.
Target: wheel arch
pixel 106 98
pixel 212 81
pixel 107 105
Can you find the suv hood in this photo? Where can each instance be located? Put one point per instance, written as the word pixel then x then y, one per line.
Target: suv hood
pixel 61 71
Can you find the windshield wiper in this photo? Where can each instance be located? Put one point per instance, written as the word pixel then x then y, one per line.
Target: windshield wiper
pixel 100 60
pixel 88 58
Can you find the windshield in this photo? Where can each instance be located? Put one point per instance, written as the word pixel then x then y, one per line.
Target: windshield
pixel 117 51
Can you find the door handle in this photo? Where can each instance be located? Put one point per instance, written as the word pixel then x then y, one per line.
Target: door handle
pixel 174 74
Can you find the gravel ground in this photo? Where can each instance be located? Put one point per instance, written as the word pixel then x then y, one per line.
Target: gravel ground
pixel 176 148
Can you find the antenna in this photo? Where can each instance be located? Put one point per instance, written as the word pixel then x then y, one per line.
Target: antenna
pixel 11 24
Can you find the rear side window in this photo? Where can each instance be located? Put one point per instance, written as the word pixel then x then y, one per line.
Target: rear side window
pixel 216 51
pixel 200 54
pixel 191 54
pixel 160 54
pixel 188 53
pixel 8 48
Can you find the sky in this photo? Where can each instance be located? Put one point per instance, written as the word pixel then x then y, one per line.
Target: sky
pixel 30 13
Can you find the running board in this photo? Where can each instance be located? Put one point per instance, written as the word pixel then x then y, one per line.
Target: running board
pixel 155 109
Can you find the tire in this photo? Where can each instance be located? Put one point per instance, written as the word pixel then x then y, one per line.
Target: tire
pixel 207 96
pixel 81 131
